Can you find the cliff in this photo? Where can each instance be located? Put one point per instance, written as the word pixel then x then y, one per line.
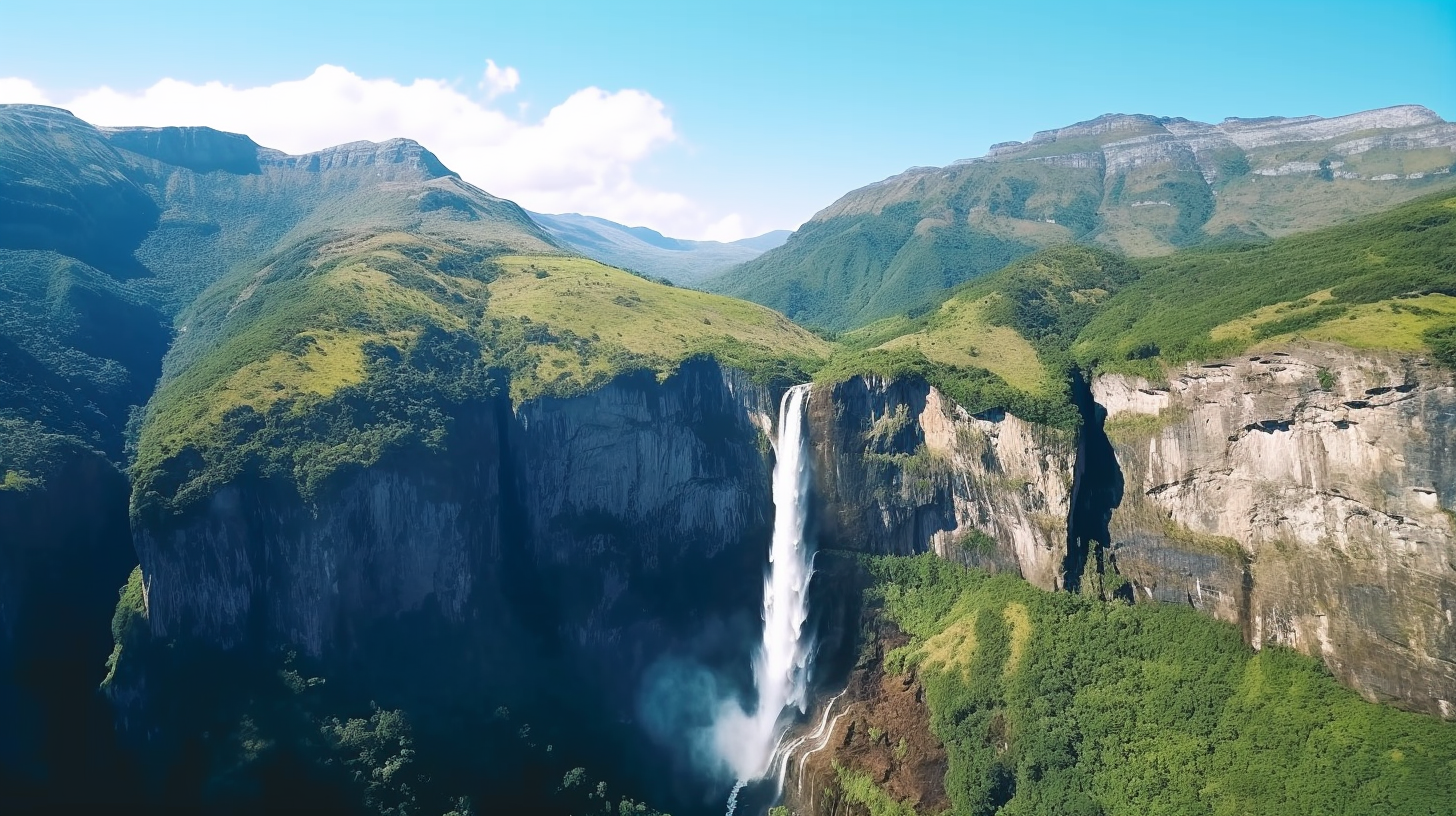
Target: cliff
pixel 900 469
pixel 560 547
pixel 199 149
pixel 634 481
pixel 1304 493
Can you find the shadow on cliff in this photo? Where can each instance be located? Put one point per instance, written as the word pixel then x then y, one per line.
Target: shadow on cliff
pixel 1097 488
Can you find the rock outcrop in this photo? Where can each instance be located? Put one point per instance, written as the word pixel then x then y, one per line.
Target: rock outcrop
pixel 199 149
pixel 900 469
pixel 1305 494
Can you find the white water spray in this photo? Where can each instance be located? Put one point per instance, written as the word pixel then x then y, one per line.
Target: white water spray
pixel 747 741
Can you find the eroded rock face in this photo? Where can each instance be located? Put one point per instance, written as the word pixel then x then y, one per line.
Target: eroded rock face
pixel 1306 494
pixel 581 537
pixel 900 469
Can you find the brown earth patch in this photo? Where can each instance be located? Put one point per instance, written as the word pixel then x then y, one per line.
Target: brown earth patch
pixel 881 729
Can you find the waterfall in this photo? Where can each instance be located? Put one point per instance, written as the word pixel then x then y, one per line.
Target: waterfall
pixel 747 742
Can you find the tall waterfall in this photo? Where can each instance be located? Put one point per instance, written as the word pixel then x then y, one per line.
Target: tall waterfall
pixel 745 740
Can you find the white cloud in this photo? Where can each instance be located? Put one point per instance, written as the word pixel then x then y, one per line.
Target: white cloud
pixel 21 91
pixel 499 80
pixel 727 228
pixel 579 157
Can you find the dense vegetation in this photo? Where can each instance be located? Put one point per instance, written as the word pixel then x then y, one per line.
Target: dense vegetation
pixel 1002 341
pixel 273 732
pixel 1067 705
pixel 76 350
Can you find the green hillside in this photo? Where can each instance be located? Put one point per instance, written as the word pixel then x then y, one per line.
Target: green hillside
pixel 107 235
pixel 1001 341
pixel 77 350
pixel 1141 185
pixel 1058 703
pixel 1009 339
pixel 1384 282
pixel 345 346
pixel 858 265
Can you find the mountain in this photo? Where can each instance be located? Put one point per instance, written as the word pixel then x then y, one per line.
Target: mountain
pixel 105 236
pixel 190 318
pixel 1142 185
pixel 651 253
pixel 765 242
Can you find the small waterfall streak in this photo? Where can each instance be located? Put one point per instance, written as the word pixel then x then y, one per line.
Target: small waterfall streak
pixel 786 752
pixel 746 741
pixel 804 760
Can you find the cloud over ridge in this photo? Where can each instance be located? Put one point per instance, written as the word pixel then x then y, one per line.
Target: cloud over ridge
pixel 578 157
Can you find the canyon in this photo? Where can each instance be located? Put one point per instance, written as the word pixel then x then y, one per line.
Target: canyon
pixel 410 459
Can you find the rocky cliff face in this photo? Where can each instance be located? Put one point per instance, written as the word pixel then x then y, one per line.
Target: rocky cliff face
pixel 900 469
pixel 585 538
pixel 604 522
pixel 1306 494
pixel 199 149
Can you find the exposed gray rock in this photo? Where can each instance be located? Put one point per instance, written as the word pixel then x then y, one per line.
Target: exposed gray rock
pixel 901 469
pixel 404 157
pixel 1317 519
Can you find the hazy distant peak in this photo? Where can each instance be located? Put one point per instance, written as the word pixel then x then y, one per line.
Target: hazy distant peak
pixel 1136 183
pixel 205 149
pixel 765 242
pixel 648 251
pixel 14 108
pixel 1391 117
pixel 1113 123
pixel 1112 129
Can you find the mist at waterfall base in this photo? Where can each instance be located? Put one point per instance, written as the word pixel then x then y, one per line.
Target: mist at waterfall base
pixel 726 732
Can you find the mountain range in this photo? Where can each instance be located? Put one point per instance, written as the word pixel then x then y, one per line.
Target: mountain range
pixel 650 252
pixel 1143 185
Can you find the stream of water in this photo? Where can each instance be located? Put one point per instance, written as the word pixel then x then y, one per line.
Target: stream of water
pixel 749 741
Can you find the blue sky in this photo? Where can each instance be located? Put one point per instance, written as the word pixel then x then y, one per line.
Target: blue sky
pixel 765 112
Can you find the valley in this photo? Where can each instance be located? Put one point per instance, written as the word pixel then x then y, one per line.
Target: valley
pixel 1110 473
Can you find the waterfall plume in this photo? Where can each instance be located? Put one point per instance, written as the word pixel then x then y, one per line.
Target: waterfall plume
pixel 746 740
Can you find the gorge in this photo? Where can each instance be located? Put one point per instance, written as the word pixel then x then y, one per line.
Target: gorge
pixel 427 513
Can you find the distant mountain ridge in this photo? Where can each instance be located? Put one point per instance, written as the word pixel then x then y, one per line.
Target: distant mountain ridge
pixel 1141 184
pixel 649 252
